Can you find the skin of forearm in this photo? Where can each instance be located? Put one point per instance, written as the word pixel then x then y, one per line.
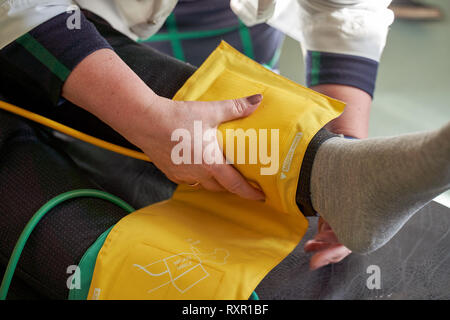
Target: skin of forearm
pixel 105 86
pixel 354 121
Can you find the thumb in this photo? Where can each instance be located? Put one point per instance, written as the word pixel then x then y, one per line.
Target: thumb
pixel 228 110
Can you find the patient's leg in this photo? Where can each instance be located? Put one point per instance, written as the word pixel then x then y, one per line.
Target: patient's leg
pixel 368 189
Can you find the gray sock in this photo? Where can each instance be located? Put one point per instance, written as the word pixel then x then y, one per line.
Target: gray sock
pixel 368 189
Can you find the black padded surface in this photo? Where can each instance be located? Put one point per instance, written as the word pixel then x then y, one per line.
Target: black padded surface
pixel 415 264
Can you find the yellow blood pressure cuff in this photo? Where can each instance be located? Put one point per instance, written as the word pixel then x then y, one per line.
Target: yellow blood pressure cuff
pixel 216 245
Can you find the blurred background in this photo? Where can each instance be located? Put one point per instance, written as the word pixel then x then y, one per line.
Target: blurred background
pixel 413 86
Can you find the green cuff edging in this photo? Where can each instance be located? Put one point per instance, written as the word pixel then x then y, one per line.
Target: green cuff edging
pixel 44 56
pixel 86 268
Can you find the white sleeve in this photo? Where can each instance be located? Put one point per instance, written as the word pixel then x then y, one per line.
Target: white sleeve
pixel 354 27
pixel 17 17
pixel 253 12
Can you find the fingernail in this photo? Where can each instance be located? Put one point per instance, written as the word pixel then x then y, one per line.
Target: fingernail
pixel 254 99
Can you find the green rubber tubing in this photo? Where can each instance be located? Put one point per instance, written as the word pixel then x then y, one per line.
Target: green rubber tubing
pixel 15 256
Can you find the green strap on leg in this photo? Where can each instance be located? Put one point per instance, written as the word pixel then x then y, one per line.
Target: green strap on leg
pixel 189 35
pixel 174 40
pixel 275 58
pixel 246 39
pixel 175 37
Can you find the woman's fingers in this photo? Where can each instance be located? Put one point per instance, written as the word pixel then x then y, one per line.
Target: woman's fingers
pixel 314 245
pixel 321 241
pixel 227 110
pixel 225 174
pixel 235 183
pixel 327 236
pixel 327 247
pixel 193 153
pixel 335 253
pixel 212 185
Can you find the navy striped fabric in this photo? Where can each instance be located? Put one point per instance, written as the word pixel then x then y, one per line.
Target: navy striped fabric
pixel 334 68
pixel 69 46
pixel 34 59
pixel 202 15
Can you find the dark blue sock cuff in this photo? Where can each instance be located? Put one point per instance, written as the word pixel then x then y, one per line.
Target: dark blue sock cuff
pixel 335 68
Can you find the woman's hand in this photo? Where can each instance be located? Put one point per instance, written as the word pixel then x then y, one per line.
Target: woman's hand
pixel 106 87
pixel 326 247
pixel 193 126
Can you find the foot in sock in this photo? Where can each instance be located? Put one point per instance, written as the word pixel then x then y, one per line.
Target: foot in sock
pixel 368 189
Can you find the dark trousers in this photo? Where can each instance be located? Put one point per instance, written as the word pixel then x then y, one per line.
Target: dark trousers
pixel 36 165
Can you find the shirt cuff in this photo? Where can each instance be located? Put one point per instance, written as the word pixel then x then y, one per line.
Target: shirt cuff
pixel 344 69
pixel 45 56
